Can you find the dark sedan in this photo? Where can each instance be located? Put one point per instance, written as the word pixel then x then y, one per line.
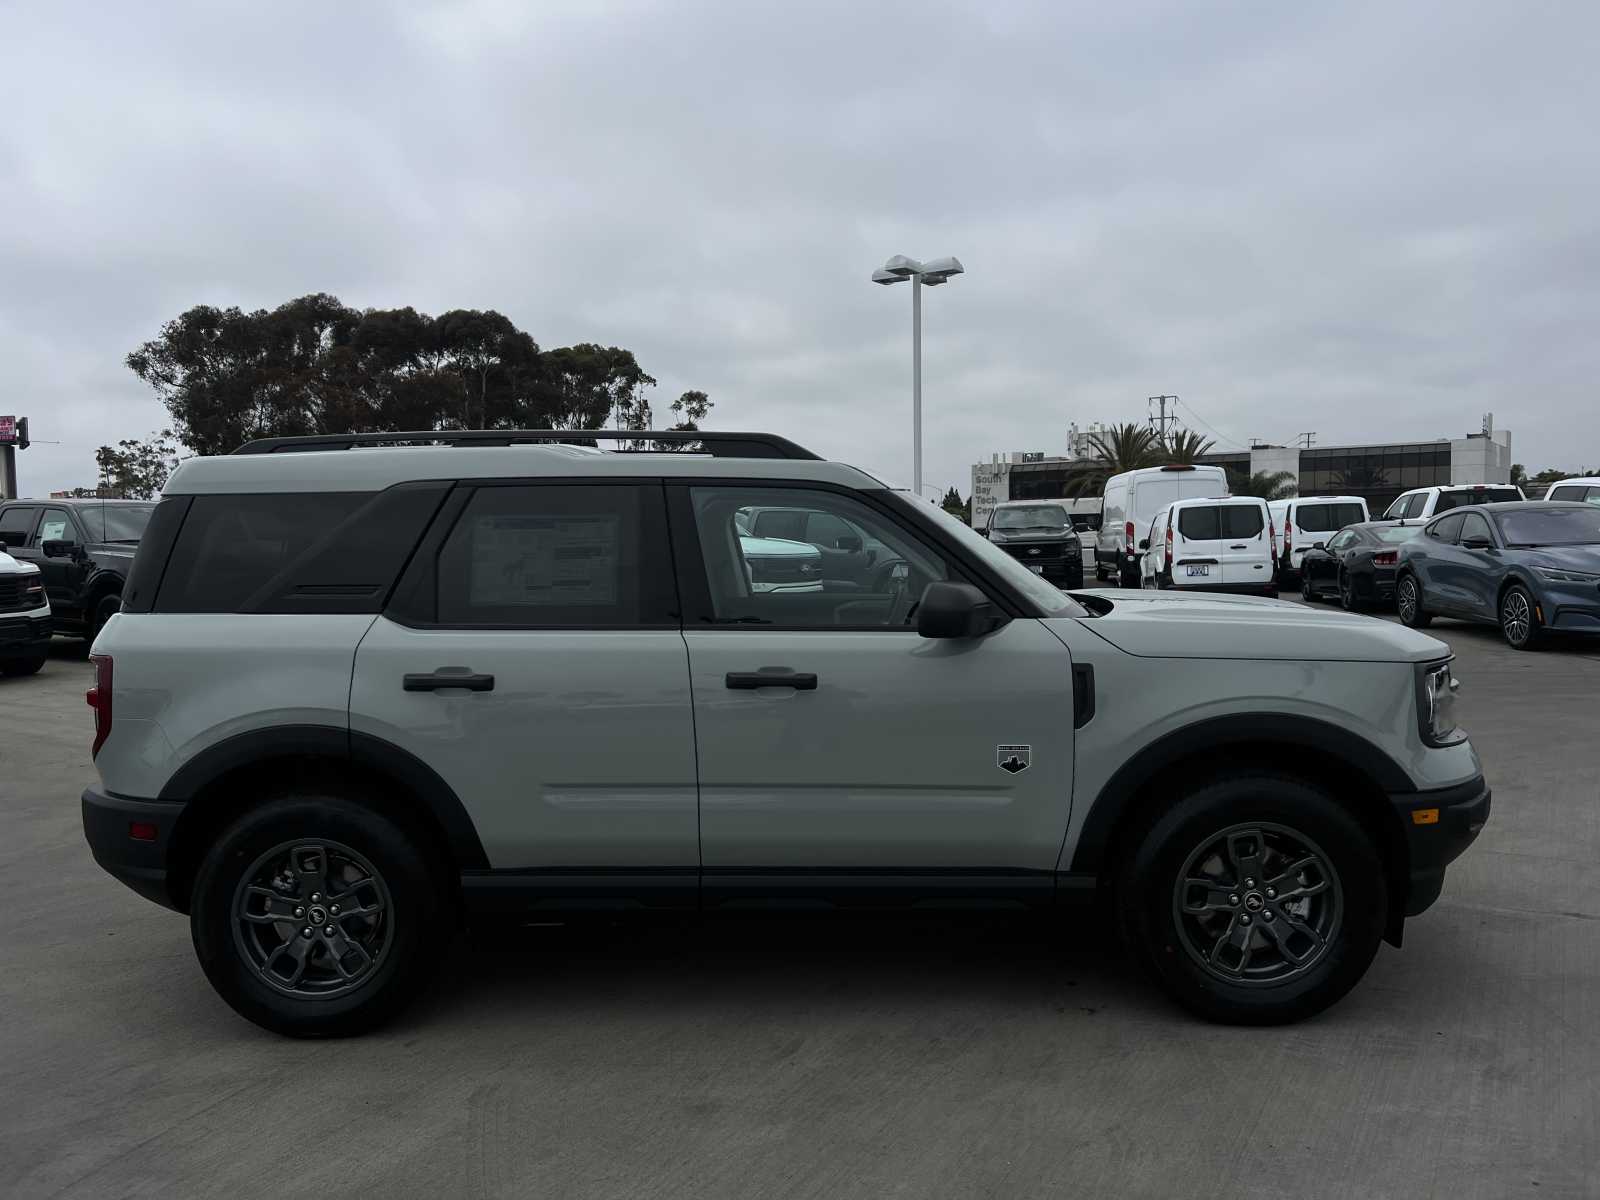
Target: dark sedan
pixel 1356 566
pixel 1527 567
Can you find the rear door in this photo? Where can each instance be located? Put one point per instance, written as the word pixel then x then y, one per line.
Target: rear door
pixel 1196 545
pixel 532 658
pixel 1244 545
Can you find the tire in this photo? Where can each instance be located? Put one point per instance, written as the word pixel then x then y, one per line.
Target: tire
pixel 1333 932
pixel 1306 593
pixel 387 957
pixel 1128 579
pixel 23 666
pixel 1519 619
pixel 104 609
pixel 1408 602
pixel 1348 599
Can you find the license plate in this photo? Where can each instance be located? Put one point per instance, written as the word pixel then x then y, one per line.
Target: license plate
pixel 1036 568
pixel 1192 570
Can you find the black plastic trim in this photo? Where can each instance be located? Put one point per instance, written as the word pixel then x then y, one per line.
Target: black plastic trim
pixel 1281 729
pixel 142 866
pixel 1083 697
pixel 881 890
pixel 1463 812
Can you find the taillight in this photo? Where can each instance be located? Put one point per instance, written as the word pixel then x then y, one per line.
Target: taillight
pixel 1385 558
pixel 1288 534
pixel 1127 530
pixel 99 697
pixel 1169 547
pixel 1272 538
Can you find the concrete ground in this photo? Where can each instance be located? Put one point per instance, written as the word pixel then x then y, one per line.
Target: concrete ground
pixel 813 1060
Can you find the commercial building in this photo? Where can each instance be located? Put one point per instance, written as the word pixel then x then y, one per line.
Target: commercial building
pixel 1377 473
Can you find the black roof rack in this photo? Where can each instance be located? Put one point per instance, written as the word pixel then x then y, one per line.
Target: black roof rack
pixel 718 444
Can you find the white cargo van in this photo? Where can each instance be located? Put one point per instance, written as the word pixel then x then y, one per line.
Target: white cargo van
pixel 1303 521
pixel 1213 545
pixel 1129 502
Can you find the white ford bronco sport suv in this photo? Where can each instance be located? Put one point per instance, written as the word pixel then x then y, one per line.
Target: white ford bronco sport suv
pixel 358 694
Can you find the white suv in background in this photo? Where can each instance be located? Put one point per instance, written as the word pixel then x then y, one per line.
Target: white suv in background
pixel 1421 504
pixel 360 695
pixel 1212 545
pixel 1303 521
pixel 1585 489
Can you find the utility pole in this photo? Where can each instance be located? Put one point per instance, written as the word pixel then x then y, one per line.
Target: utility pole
pixel 1305 439
pixel 1159 415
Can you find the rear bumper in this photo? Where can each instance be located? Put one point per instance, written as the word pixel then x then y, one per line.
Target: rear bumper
pixel 140 864
pixel 1438 826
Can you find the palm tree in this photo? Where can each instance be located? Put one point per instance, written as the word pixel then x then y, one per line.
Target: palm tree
pixel 1268 485
pixel 1361 477
pixel 1184 447
pixel 1122 448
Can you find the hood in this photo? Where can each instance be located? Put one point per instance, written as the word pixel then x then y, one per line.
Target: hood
pixel 1562 558
pixel 1197 625
pixel 10 566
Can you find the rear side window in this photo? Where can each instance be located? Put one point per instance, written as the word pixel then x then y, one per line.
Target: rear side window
pixel 559 556
pixel 1570 492
pixel 1199 524
pixel 294 552
pixel 1323 518
pixel 1449 500
pixel 1448 529
pixel 1242 520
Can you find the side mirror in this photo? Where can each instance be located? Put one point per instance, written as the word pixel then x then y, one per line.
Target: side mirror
pixel 1319 545
pixel 1477 542
pixel 59 548
pixel 1144 543
pixel 956 610
pixel 848 542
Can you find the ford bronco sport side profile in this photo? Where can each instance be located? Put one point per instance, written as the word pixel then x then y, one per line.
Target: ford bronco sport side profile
pixel 359 694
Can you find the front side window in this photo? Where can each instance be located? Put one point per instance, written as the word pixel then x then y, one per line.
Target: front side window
pixel 1476 526
pixel 54 526
pixel 559 555
pixel 757 579
pixel 1416 504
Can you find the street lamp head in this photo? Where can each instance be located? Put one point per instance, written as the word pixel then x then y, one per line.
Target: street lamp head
pixel 939 270
pixel 902 267
pixel 886 277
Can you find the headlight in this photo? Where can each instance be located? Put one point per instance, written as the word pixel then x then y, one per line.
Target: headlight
pixel 1555 575
pixel 1436 704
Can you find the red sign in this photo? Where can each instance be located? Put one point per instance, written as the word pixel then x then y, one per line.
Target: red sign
pixel 8 430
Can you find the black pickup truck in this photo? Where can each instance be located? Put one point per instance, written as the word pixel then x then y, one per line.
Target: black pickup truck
pixel 83 548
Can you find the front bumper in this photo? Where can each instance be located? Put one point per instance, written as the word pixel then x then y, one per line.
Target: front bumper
pixel 25 634
pixel 108 823
pixel 1438 826
pixel 1569 607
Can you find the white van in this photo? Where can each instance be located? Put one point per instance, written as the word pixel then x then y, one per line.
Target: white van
pixel 1212 545
pixel 1132 498
pixel 1303 521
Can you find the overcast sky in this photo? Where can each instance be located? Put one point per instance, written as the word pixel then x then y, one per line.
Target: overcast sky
pixel 1371 221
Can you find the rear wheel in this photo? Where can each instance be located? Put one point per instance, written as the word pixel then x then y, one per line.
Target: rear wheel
pixel 1519 619
pixel 1408 601
pixel 1256 899
pixel 1348 598
pixel 23 666
pixel 313 916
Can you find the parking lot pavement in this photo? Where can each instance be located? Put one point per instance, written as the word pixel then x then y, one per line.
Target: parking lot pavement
pixel 810 1059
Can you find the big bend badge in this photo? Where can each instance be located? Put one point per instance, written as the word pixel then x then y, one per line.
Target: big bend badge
pixel 1013 759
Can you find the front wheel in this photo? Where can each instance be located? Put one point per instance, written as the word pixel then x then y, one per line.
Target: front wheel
pixel 104 609
pixel 314 916
pixel 1306 593
pixel 1255 900
pixel 1408 601
pixel 1519 618
pixel 23 666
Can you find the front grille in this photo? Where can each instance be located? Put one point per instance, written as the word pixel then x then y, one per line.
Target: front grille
pixel 784 570
pixel 14 595
pixel 1041 552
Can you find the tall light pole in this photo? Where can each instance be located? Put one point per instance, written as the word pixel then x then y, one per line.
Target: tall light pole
pixel 933 272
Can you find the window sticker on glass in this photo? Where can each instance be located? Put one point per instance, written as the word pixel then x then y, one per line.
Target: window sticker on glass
pixel 543 561
pixel 52 529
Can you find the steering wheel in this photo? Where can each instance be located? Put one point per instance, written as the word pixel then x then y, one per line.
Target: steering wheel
pixel 881 577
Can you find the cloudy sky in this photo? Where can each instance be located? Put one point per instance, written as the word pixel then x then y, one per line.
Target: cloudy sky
pixel 1375 221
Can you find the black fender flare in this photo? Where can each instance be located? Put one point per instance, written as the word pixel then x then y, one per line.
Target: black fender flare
pixel 1285 730
pixel 338 745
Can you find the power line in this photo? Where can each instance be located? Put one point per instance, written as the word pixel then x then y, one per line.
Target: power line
pixel 1212 427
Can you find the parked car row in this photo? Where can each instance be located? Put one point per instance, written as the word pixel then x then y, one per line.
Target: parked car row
pixel 24 617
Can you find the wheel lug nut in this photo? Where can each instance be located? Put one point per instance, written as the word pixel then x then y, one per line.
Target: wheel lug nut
pixel 306 932
pixel 327 931
pixel 1233 899
pixel 1272 894
pixel 1267 915
pixel 315 896
pixel 1245 920
pixel 334 909
pixel 300 910
pixel 1248 883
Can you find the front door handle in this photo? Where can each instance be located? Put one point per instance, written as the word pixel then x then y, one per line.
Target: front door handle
pixel 800 681
pixel 450 677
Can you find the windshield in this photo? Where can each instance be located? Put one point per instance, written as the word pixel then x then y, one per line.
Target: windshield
pixel 1493 495
pixel 1030 516
pixel 115 522
pixel 1051 601
pixel 1395 534
pixel 1550 527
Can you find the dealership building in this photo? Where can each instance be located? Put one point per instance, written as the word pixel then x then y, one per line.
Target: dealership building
pixel 1377 473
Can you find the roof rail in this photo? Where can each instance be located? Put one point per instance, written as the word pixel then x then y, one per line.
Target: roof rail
pixel 718 444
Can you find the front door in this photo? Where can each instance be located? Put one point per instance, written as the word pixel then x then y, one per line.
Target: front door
pixel 533 659
pixel 63 577
pixel 836 742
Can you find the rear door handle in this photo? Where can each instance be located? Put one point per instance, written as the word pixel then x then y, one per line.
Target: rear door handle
pixel 450 677
pixel 800 681
pixel 1240 546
